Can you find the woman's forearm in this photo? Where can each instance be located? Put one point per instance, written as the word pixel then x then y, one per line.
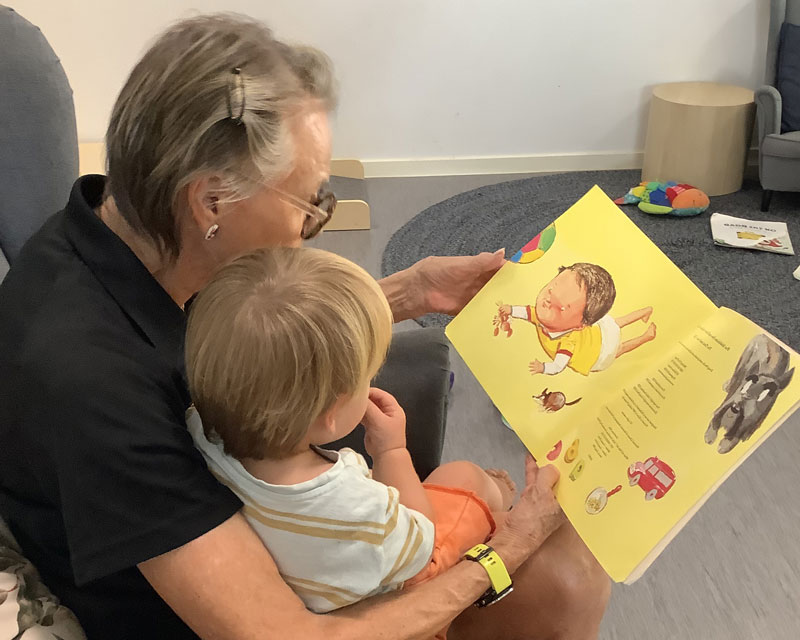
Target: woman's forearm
pixel 412 614
pixel 226 586
pixel 403 293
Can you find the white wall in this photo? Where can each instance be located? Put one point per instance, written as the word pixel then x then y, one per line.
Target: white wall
pixel 450 78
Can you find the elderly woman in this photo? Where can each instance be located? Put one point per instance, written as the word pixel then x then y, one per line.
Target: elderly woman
pixel 218 144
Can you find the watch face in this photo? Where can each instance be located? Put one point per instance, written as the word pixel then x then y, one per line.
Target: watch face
pixel 490 597
pixel 502 594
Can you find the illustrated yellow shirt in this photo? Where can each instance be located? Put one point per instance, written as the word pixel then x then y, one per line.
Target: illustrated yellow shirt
pixel 581 346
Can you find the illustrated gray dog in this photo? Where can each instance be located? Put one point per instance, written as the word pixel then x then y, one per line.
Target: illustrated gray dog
pixel 760 375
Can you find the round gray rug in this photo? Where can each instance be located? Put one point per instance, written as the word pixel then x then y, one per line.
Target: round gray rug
pixel 755 283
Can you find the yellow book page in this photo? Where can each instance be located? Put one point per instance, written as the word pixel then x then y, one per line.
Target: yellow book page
pixel 596 232
pixel 630 436
pixel 657 446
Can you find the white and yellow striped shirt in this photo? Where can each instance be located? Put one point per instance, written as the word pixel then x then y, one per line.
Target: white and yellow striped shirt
pixel 336 539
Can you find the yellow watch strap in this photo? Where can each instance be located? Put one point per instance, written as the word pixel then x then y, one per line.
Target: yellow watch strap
pixel 491 562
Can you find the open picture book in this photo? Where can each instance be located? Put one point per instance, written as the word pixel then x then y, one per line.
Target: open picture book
pixel 609 363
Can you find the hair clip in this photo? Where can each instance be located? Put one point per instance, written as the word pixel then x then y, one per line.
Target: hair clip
pixel 236 83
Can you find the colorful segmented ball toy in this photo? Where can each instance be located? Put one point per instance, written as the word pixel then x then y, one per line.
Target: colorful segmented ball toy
pixel 661 198
pixel 537 247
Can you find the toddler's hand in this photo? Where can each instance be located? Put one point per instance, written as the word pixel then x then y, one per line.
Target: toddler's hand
pixel 536 367
pixel 385 423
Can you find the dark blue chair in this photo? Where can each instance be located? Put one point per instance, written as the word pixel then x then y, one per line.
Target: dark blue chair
pixel 38 134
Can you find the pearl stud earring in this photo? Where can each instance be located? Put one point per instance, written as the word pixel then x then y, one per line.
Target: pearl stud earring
pixel 212 231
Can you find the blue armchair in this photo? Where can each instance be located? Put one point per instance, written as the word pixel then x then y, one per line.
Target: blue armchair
pixel 38 134
pixel 38 164
pixel 778 153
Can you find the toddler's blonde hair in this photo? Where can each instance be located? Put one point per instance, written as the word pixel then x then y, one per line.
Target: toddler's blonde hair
pixel 274 339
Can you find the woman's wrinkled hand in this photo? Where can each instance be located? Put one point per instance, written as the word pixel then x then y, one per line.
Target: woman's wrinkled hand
pixel 447 284
pixel 536 515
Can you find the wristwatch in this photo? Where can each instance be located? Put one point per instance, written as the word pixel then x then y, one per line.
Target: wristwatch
pixel 498 574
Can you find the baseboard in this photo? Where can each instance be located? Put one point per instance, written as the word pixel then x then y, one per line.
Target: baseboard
pixel 545 163
pixel 92 161
pixel 488 165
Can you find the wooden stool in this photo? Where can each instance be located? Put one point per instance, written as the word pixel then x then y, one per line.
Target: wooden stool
pixel 347 182
pixel 699 133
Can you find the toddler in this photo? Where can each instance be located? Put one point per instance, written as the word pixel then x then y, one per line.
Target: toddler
pixel 280 350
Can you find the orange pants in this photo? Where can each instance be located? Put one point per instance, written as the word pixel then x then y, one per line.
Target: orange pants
pixel 462 520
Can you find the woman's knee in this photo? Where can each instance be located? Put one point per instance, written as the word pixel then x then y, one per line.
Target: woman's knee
pixel 583 585
pixel 560 592
pixel 580 588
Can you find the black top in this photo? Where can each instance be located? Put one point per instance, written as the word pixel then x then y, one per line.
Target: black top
pixel 97 469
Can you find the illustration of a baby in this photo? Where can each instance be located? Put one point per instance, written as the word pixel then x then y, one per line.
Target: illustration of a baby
pixel 572 321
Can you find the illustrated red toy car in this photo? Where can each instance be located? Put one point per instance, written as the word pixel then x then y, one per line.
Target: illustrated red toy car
pixel 654 476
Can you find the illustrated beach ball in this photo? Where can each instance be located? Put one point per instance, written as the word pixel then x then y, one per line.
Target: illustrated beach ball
pixel 537 247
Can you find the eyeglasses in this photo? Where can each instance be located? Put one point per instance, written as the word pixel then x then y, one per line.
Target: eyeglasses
pixel 318 213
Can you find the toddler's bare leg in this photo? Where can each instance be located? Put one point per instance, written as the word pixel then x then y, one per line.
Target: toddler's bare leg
pixel 633 316
pixel 633 343
pixel 493 487
pixel 508 490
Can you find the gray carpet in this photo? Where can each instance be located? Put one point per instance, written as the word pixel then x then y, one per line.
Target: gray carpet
pixel 755 283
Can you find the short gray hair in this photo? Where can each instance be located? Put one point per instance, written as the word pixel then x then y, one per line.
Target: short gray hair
pixel 211 96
